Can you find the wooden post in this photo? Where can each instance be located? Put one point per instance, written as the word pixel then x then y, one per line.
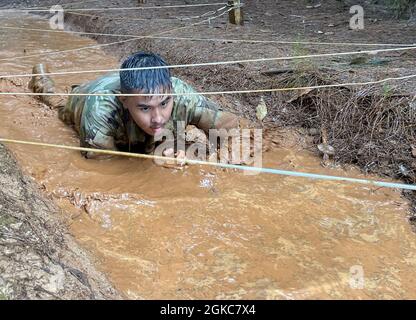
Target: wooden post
pixel 142 1
pixel 236 15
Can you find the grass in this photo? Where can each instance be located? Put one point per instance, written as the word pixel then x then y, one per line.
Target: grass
pixel 402 8
pixel 302 65
pixel 3 296
pixel 5 220
pixel 387 90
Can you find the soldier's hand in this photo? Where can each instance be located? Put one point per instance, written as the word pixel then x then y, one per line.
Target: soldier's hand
pixel 171 164
pixel 181 156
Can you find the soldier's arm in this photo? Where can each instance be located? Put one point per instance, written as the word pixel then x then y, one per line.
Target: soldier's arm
pixel 203 112
pixel 99 142
pixel 97 128
pixel 210 116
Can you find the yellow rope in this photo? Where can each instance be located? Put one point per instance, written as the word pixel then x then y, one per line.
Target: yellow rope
pixel 222 165
pixel 109 152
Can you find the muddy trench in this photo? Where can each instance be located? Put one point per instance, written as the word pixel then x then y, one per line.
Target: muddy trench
pixel 205 233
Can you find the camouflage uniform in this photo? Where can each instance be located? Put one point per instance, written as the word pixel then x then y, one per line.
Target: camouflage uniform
pixel 102 122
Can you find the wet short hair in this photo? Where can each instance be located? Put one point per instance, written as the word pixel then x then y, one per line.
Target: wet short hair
pixel 148 80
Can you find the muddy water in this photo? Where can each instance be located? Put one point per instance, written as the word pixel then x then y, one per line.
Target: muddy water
pixel 201 232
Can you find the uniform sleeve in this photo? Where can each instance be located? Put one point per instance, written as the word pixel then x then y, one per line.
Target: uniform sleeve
pixel 99 123
pixel 200 111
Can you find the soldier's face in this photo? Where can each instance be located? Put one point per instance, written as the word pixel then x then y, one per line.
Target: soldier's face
pixel 150 113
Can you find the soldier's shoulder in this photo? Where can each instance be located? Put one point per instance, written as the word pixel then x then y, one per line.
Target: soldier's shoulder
pixel 103 99
pixel 176 82
pixel 106 106
pixel 180 86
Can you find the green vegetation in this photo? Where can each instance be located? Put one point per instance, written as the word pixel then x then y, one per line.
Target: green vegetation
pixel 5 220
pixel 302 65
pixel 3 296
pixel 402 8
pixel 387 90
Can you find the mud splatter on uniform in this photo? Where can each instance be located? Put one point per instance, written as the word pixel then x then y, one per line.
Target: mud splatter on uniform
pixel 103 123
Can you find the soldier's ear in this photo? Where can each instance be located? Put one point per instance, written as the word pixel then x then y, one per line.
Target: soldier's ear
pixel 123 100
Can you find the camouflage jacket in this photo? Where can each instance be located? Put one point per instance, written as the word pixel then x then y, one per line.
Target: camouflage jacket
pixel 102 122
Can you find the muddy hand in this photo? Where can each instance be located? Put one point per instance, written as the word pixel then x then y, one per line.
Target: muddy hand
pixel 171 164
pixel 181 157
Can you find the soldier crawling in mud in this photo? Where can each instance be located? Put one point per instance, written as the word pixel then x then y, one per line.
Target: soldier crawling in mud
pixel 130 123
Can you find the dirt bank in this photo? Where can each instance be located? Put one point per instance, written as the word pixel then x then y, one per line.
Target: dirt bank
pixel 38 259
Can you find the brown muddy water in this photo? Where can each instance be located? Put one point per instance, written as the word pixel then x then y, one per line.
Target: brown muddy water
pixel 205 233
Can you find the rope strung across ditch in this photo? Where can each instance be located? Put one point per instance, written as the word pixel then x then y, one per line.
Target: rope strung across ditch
pixel 216 63
pixel 123 8
pixel 214 39
pixel 222 165
pixel 116 42
pixel 157 36
pixel 59 4
pixel 203 15
pixel 210 92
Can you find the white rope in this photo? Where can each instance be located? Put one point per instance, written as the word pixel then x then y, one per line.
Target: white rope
pixel 122 18
pixel 209 13
pixel 371 52
pixel 219 39
pixel 122 8
pixel 112 43
pixel 290 42
pixel 56 4
pixel 348 84
pixel 68 50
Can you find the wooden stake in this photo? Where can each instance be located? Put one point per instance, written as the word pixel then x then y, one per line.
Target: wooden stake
pixel 236 15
